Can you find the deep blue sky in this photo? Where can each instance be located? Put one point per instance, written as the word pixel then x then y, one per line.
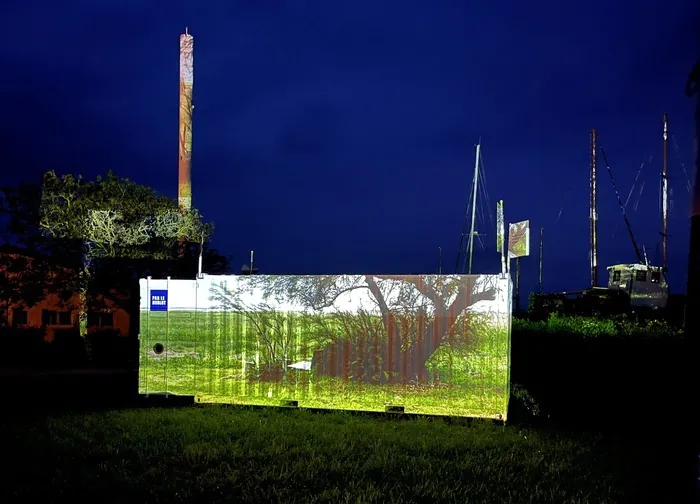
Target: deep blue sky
pixel 338 136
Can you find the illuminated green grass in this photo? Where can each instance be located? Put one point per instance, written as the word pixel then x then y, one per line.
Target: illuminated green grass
pixel 205 360
pixel 620 326
pixel 214 454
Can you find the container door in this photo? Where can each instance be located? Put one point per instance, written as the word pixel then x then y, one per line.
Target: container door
pixel 153 336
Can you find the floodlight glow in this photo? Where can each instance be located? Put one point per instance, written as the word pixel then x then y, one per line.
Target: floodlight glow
pixel 434 344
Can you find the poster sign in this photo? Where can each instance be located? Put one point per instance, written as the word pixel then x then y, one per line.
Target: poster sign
pixel 159 300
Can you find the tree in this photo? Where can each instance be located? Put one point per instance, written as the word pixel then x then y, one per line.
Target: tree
pixel 31 266
pixel 114 218
pixel 26 279
pixel 387 300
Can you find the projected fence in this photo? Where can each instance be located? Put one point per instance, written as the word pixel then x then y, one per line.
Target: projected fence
pixel 434 344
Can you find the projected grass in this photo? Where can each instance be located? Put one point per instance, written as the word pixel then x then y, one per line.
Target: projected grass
pixel 435 345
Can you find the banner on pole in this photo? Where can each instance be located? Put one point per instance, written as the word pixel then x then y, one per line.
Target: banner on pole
pixel 519 239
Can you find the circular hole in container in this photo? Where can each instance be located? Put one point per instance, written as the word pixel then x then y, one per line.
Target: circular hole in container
pixel 158 348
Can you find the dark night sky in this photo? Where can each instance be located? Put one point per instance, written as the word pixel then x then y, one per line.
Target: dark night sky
pixel 339 136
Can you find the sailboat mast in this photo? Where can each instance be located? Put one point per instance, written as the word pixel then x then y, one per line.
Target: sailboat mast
pixel 664 197
pixel 476 182
pixel 594 213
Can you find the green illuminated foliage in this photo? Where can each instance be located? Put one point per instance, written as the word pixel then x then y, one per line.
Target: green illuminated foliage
pixel 114 217
pixel 596 327
pixel 39 263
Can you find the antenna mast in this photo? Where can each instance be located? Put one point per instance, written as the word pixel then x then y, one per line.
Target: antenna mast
pixel 476 181
pixel 541 247
pixel 594 212
pixel 664 197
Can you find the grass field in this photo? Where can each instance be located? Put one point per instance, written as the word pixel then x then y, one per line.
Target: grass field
pixel 219 358
pixel 223 454
pixel 619 327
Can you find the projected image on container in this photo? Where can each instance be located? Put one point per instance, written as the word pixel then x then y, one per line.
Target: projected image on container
pixel 432 344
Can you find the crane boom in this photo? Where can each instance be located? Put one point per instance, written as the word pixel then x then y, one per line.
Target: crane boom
pixel 622 208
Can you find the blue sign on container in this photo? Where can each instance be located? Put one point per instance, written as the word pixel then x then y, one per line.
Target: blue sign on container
pixel 159 300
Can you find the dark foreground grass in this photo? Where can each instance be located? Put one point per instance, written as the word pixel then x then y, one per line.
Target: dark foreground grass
pixel 228 454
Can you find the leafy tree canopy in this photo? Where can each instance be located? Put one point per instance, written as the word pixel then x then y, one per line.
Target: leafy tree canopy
pixel 116 217
pixel 112 229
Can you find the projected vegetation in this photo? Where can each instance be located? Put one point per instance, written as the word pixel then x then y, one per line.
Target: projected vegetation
pixel 519 239
pixel 432 344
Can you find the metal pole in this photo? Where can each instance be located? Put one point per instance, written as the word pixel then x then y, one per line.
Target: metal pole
pixel 148 346
pixel 541 247
pixel 476 181
pixel 692 321
pixel 201 253
pixel 504 263
pixel 501 235
pixel 594 212
pixel 251 262
pixel 440 265
pixel 197 360
pixel 664 196
pixel 167 338
pixel 517 284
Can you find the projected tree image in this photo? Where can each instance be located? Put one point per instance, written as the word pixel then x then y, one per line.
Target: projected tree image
pixel 433 344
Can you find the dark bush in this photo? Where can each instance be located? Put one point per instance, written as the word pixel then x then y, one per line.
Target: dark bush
pixel 604 371
pixel 111 350
pixel 67 349
pixel 22 347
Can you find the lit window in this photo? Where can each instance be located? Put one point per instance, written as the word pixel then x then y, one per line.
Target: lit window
pixel 655 276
